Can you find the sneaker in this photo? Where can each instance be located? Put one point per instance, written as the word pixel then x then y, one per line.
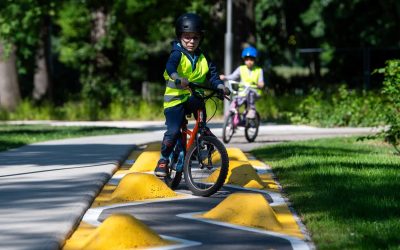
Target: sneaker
pixel 162 168
pixel 251 114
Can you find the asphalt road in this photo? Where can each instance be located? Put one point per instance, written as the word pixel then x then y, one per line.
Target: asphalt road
pixel 45 188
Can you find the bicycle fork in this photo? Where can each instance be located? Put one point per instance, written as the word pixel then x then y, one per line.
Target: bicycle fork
pixel 199 133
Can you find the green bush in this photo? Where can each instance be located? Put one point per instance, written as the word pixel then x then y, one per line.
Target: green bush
pixel 391 89
pixel 278 108
pixel 26 110
pixel 344 107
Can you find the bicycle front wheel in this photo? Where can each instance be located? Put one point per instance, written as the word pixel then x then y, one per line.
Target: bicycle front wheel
pixel 228 129
pixel 206 166
pixel 173 179
pixel 251 129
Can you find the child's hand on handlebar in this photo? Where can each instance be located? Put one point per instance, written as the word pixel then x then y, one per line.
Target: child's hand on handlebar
pixel 225 89
pixel 184 82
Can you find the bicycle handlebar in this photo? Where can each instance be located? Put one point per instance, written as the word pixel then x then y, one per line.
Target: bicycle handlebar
pixel 247 86
pixel 220 92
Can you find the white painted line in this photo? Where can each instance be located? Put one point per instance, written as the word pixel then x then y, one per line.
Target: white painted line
pixel 277 198
pixel 92 214
pixel 116 178
pixel 296 243
pixel 183 243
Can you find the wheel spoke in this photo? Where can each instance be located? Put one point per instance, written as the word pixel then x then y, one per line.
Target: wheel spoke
pixel 203 167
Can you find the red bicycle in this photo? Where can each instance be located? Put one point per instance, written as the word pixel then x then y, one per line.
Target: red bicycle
pixel 201 158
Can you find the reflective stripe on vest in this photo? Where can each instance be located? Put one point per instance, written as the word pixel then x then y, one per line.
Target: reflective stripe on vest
pixel 248 78
pixel 175 95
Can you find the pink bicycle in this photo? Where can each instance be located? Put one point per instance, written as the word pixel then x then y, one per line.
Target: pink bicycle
pixel 234 119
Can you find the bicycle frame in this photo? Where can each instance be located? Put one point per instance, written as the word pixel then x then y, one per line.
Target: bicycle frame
pixel 235 103
pixel 191 133
pixel 191 146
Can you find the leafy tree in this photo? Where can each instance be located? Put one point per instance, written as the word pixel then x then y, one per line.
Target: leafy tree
pixel 118 45
pixel 285 26
pixel 25 24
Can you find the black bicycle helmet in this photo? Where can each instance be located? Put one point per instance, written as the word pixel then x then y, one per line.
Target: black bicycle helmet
pixel 189 22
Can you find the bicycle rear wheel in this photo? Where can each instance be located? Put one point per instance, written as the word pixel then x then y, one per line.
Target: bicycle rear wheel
pixel 206 166
pixel 251 129
pixel 228 129
pixel 175 168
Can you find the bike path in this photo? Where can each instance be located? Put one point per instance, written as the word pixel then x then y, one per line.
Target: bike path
pixel 163 217
pixel 177 217
pixel 45 188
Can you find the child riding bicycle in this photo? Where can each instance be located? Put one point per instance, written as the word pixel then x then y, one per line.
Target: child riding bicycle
pixel 249 74
pixel 188 63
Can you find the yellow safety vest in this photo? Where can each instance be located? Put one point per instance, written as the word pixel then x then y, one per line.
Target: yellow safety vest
pixel 248 78
pixel 175 95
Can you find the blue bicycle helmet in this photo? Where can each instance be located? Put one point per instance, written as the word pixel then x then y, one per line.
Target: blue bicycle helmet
pixel 249 52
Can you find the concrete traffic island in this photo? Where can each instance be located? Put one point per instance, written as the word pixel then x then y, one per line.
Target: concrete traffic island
pixel 118 231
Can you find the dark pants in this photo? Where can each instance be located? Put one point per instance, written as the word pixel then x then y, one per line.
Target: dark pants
pixel 174 118
pixel 252 96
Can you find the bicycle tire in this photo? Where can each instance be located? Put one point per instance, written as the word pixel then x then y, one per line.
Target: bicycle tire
pixel 226 137
pixel 252 124
pixel 192 153
pixel 173 179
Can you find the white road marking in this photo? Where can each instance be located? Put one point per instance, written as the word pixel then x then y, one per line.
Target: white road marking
pixel 92 215
pixel 296 243
pixel 276 197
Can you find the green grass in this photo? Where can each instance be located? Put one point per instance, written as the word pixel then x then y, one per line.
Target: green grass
pixel 346 192
pixel 12 136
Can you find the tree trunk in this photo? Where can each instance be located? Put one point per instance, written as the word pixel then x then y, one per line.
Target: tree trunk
pixel 99 24
pixel 42 80
pixel 9 88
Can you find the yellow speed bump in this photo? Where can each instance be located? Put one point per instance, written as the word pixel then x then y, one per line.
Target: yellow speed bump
pixel 140 186
pixel 253 210
pixel 119 231
pixel 236 154
pixel 146 161
pixel 246 209
pixel 240 173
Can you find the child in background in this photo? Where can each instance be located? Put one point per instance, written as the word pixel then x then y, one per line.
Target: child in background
pixel 251 74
